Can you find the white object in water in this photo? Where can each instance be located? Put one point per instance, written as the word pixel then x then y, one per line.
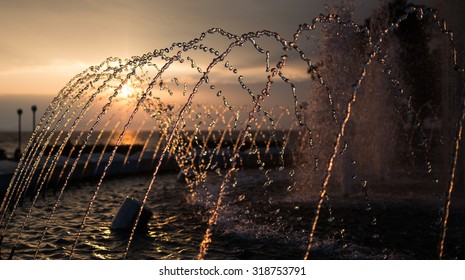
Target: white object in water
pixel 127 214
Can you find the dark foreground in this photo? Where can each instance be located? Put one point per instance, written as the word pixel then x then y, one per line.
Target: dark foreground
pixel 256 222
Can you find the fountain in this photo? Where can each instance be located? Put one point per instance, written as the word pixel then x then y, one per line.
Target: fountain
pixel 327 153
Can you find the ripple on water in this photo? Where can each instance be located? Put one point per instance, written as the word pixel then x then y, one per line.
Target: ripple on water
pixel 271 227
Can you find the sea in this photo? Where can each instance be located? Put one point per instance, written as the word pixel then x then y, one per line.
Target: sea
pixel 9 142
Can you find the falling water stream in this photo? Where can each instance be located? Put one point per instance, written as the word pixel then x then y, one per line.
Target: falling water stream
pixel 262 164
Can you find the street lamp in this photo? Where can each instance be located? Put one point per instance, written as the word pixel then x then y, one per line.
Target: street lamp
pixel 18 151
pixel 34 109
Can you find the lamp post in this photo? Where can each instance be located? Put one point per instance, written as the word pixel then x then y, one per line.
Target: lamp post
pixel 18 151
pixel 34 109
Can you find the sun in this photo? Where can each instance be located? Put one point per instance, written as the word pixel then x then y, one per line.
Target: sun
pixel 127 91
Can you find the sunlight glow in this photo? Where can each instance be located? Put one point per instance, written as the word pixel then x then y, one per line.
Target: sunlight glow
pixel 127 91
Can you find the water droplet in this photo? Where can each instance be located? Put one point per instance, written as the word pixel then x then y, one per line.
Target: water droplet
pixel 429 167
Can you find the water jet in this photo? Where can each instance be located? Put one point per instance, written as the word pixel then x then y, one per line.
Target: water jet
pixel 334 153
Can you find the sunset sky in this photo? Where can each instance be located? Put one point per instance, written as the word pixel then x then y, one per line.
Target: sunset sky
pixel 44 43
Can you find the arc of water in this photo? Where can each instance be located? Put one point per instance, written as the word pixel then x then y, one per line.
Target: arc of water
pixel 186 105
pixel 149 88
pixel 460 69
pixel 51 168
pixel 323 192
pixel 376 50
pixel 453 169
pixel 170 138
pixel 62 172
pixel 246 132
pixel 32 150
pixel 82 148
pixel 34 200
pixel 215 213
pixel 53 163
pixel 29 178
pixel 104 110
pixel 45 181
pixel 28 159
pixel 43 123
pixel 18 172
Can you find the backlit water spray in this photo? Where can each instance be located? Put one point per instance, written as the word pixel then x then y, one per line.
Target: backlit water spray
pixel 263 166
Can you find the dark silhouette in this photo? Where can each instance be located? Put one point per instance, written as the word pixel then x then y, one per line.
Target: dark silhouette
pixel 34 109
pixel 18 151
pixel 2 154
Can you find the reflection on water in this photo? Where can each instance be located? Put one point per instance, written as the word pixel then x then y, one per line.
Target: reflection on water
pixel 174 232
pixel 258 221
pixel 9 140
